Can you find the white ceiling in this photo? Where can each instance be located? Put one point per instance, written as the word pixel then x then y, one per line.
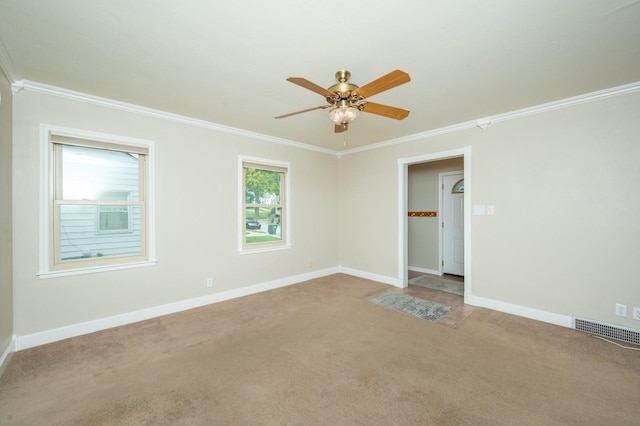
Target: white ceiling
pixel 227 62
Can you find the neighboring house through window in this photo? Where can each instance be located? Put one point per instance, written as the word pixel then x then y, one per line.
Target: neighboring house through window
pixel 264 186
pixel 115 219
pixel 98 202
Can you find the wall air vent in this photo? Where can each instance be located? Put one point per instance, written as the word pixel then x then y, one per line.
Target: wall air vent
pixel 617 332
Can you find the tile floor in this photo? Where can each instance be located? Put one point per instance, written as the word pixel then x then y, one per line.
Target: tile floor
pixel 459 312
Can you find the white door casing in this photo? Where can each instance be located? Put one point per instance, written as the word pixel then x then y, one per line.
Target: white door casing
pixel 403 205
pixel 452 224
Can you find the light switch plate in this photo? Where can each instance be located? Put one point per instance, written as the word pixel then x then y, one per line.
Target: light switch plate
pixel 479 210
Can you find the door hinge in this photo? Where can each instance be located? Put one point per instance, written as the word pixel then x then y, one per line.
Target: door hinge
pixel 442 262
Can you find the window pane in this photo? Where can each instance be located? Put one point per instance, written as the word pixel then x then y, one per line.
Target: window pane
pixel 458 188
pixel 95 174
pixel 80 235
pixel 263 205
pixel 264 228
pixel 113 218
pixel 262 186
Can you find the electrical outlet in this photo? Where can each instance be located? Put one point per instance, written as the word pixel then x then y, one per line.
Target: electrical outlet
pixel 310 264
pixel 636 313
pixel 209 282
pixel 621 310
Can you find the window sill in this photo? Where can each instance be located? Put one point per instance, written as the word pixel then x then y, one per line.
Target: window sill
pixel 95 269
pixel 263 249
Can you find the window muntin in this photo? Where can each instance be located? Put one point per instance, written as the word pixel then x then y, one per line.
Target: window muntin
pixel 98 203
pixel 264 205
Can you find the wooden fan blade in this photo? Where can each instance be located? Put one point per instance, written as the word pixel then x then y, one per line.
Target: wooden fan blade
pixel 385 110
pixel 339 128
pixel 386 82
pixel 304 110
pixel 311 86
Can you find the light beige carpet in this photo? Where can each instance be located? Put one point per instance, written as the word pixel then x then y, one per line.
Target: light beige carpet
pixel 320 353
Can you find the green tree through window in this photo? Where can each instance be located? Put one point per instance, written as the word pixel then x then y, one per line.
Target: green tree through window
pixel 264 200
pixel 258 183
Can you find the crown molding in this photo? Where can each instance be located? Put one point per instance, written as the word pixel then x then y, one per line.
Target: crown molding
pixel 568 102
pixel 483 123
pixel 410 138
pixel 32 86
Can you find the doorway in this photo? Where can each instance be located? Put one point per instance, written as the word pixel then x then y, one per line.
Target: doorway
pixel 403 166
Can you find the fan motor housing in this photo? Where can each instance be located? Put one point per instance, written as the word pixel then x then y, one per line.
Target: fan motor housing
pixel 343 88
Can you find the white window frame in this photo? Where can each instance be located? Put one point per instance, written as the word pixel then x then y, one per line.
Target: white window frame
pixel 47 267
pixel 285 200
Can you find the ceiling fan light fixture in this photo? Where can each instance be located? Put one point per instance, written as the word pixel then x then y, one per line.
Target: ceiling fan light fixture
pixel 345 99
pixel 343 114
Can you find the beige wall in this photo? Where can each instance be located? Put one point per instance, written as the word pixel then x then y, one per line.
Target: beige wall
pixel 564 238
pixel 422 232
pixel 196 217
pixel 6 284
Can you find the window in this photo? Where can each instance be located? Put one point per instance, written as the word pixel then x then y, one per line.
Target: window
pixel 458 187
pixel 114 219
pixel 264 210
pixel 97 208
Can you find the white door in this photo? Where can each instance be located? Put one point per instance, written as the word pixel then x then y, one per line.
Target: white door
pixel 453 223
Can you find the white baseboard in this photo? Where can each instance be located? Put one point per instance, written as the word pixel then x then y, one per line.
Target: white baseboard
pixel 53 335
pixel 424 270
pixel 522 311
pixel 369 276
pixel 496 305
pixel 6 354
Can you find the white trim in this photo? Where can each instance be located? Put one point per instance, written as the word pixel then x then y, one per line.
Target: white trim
pixel 467 220
pixel 403 203
pixel 567 102
pixel 6 354
pixel 403 223
pixel 49 336
pixel 424 270
pixel 521 311
pixel 95 269
pixel 18 85
pixel 370 276
pixel 482 123
pixel 263 249
pixel 33 86
pixel 53 335
pixel 45 164
pixel 416 136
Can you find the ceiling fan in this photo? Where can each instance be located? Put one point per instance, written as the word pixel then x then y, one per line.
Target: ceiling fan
pixel 346 99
